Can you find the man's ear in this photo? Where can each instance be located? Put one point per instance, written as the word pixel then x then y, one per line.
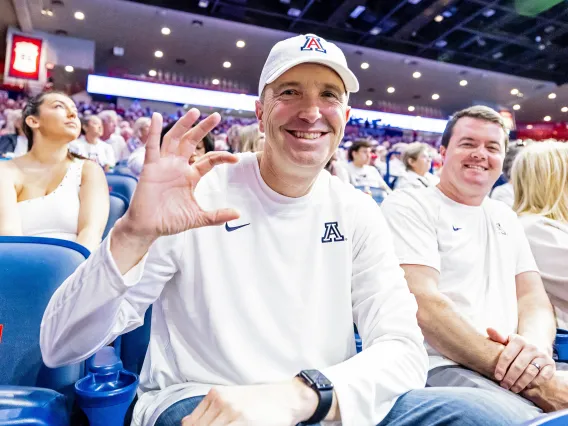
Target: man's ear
pixel 347 114
pixel 259 111
pixel 443 151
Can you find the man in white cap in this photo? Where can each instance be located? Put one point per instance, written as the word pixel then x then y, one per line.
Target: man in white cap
pixel 253 319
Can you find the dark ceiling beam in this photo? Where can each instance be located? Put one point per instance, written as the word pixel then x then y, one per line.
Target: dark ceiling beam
pixel 342 12
pixel 299 18
pixel 22 9
pixel 459 25
pixel 380 22
pixel 214 7
pixel 422 19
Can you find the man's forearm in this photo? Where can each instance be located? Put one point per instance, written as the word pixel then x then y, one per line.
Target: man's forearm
pixel 454 337
pixel 537 322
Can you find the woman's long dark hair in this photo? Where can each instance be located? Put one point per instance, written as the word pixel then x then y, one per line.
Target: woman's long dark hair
pixel 32 109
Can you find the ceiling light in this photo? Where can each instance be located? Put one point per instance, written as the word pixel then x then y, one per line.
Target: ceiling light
pixel 564 109
pixel 241 44
pixel 411 108
pixel 463 83
pixel 552 96
pixel 549 29
pixel 375 31
pixel 152 73
pixel 47 12
pixel 158 54
pixel 69 68
pixel 79 15
pixel 515 92
pixel 369 103
pixel 357 11
pixel 439 18
pixel 529 126
pixel 417 74
pixel 414 1
pixel 497 55
pixel 538 39
pixel 547 118
pixel 391 89
pixel 541 47
pixel 364 65
pixel 203 3
pixel 226 64
pixel 294 12
pixel 516 107
pixel 488 13
pixel 435 96
pixel 215 81
pixel 166 31
pixel 441 43
pixel 520 95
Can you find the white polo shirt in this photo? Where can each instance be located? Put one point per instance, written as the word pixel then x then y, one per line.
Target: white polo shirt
pixel 478 251
pixel 255 301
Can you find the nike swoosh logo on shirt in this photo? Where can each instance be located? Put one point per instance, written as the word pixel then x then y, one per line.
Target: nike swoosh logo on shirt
pixel 456 229
pixel 234 228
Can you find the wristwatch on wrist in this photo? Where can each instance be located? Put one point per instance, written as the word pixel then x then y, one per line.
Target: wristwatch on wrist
pixel 324 388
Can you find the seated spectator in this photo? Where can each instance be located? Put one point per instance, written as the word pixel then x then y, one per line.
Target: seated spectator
pixel 417 161
pixel 90 146
pixel 14 144
pixel 361 174
pixel 396 166
pixel 110 124
pixel 336 167
pixel 482 306
pixel 505 192
pixel 233 137
pixel 48 192
pixel 251 139
pixel 140 132
pixel 239 341
pixel 540 181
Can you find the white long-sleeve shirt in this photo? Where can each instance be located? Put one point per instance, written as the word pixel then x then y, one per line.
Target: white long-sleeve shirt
pixel 236 305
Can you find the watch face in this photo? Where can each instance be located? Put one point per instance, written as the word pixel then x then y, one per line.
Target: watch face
pixel 318 379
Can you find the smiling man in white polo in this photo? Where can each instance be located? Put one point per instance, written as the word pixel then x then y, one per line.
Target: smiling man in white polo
pixel 253 318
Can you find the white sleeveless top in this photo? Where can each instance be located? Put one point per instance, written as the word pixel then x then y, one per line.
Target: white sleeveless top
pixel 55 215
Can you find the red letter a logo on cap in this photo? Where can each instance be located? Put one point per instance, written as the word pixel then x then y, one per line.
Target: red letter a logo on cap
pixel 314 44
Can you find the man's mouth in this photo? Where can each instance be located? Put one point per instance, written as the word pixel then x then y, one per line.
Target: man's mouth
pixel 476 167
pixel 306 135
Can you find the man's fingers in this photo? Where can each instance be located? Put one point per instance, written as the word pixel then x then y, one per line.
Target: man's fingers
pixel 546 373
pixel 153 142
pixel 192 137
pixel 219 217
pixel 507 357
pixel 496 336
pixel 212 159
pixel 528 376
pixel 182 126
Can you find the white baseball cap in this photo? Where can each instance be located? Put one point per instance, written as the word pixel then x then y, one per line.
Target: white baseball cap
pixel 308 48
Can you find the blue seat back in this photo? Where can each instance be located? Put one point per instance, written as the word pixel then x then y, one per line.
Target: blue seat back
pixel 558 418
pixel 31 269
pixel 133 345
pixel 122 184
pixel 118 206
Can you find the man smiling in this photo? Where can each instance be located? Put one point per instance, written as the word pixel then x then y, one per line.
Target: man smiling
pixel 253 321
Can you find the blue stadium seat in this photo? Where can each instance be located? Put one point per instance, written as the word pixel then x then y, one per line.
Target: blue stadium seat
pixel 559 418
pixel 122 184
pixel 378 194
pixel 118 206
pixel 31 269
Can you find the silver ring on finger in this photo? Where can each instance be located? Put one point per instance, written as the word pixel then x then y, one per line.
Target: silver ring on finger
pixel 536 364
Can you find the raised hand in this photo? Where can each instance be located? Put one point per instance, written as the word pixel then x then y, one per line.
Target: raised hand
pixel 164 202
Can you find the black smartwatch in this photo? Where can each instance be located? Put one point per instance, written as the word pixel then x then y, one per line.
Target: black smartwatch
pixel 324 388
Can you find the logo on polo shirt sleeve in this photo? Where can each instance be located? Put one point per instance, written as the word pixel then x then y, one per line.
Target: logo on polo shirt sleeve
pixel 313 43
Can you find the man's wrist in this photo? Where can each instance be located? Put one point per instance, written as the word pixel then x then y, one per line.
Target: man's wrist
pixel 307 398
pixel 127 246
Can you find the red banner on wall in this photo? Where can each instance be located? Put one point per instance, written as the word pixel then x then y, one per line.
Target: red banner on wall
pixel 25 57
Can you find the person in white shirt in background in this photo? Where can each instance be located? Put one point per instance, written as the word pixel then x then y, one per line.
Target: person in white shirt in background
pixel 396 166
pixel 416 159
pixel 505 192
pixel 90 146
pixel 264 337
pixel 380 161
pixel 336 167
pixel 110 135
pixel 14 144
pixel 540 181
pixel 361 174
pixel 481 302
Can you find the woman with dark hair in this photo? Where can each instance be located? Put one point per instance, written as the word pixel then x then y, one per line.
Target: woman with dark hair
pixel 50 192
